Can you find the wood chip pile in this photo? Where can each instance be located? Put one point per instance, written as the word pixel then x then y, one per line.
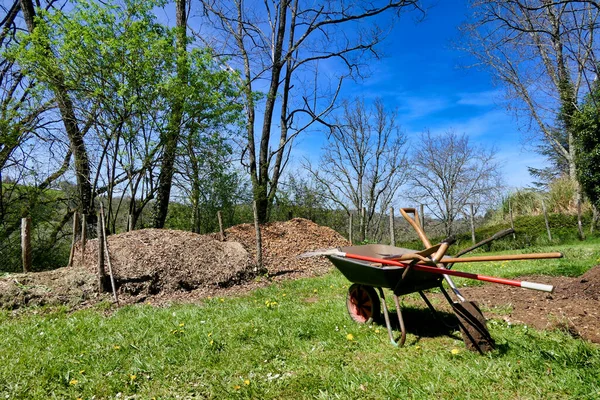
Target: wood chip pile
pixel 284 241
pixel 150 261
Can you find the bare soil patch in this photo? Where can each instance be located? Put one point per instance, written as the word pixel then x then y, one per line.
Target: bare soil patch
pixel 574 306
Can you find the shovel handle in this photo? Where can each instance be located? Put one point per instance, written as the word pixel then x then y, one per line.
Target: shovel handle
pixel 414 222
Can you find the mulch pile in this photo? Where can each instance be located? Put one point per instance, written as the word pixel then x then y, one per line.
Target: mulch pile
pixel 175 265
pixel 284 241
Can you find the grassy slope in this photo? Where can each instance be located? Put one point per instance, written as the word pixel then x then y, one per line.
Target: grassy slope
pixel 286 341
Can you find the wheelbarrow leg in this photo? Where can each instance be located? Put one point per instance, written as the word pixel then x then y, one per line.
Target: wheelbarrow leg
pixel 401 320
pixel 386 315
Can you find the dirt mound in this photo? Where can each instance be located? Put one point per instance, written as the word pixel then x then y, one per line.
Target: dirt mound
pixel 150 261
pixel 574 306
pixel 284 241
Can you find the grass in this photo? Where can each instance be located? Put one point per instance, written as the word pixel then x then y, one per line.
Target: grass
pixel 289 341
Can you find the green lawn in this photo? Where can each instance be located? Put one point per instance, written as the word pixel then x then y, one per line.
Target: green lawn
pixel 288 341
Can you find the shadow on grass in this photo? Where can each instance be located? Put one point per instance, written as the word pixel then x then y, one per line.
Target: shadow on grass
pixel 421 322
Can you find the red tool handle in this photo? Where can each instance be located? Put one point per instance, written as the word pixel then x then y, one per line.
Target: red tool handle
pixel 442 271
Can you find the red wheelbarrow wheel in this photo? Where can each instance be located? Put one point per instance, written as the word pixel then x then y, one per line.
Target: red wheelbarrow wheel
pixel 363 303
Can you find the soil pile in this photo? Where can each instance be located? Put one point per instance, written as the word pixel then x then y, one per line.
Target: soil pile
pixel 152 261
pixel 284 241
pixel 574 306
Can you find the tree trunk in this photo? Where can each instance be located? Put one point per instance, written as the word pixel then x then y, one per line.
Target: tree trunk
pixel 165 178
pixel 67 111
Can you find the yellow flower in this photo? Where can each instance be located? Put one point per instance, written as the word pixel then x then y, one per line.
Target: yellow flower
pixel 377 330
pixel 73 382
pixel 284 295
pixel 315 291
pixel 455 351
pixel 132 377
pixel 209 334
pixel 222 300
pixel 237 387
pixel 247 382
pixel 350 336
pixel 116 347
pixel 82 371
pixel 417 347
pixel 211 342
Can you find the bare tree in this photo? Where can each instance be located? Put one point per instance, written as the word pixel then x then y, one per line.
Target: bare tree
pixel 447 173
pixel 363 163
pixel 277 46
pixel 545 53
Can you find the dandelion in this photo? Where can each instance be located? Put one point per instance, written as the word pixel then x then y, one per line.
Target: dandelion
pixel 455 351
pixel 283 295
pixel 182 324
pixel 315 291
pixel 377 330
pixel 116 347
pixel 221 300
pixel 237 387
pixel 211 342
pixel 132 377
pixel 246 382
pixel 350 337
pixel 209 334
pixel 82 371
pixel 73 382
pixel 417 347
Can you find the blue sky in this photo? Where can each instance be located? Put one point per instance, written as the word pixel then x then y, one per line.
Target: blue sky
pixel 425 78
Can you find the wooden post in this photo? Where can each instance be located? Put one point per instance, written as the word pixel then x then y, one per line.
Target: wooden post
pixel 75 235
pixel 107 254
pixel 392 232
pixel 422 214
pixel 579 223
pixel 101 273
pixel 350 228
pixel 221 231
pixel 472 223
pixel 512 223
pixel 363 224
pixel 83 236
pixel 259 262
pixel 546 220
pixel 129 223
pixel 26 243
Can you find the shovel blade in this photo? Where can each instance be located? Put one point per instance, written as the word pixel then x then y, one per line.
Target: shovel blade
pixel 473 327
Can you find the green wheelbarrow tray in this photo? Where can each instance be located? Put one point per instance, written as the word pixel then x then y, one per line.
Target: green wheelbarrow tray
pixel 376 275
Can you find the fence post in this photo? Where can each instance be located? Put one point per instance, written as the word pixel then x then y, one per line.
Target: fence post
pixel 221 231
pixel 350 228
pixel 129 222
pixel 392 232
pixel 579 223
pixel 512 223
pixel 259 261
pixel 363 224
pixel 83 236
pixel 472 224
pixel 75 234
pixel 26 243
pixel 101 273
pixel 546 220
pixel 422 212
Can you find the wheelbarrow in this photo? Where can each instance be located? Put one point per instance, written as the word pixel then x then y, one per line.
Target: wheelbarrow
pixel 374 267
